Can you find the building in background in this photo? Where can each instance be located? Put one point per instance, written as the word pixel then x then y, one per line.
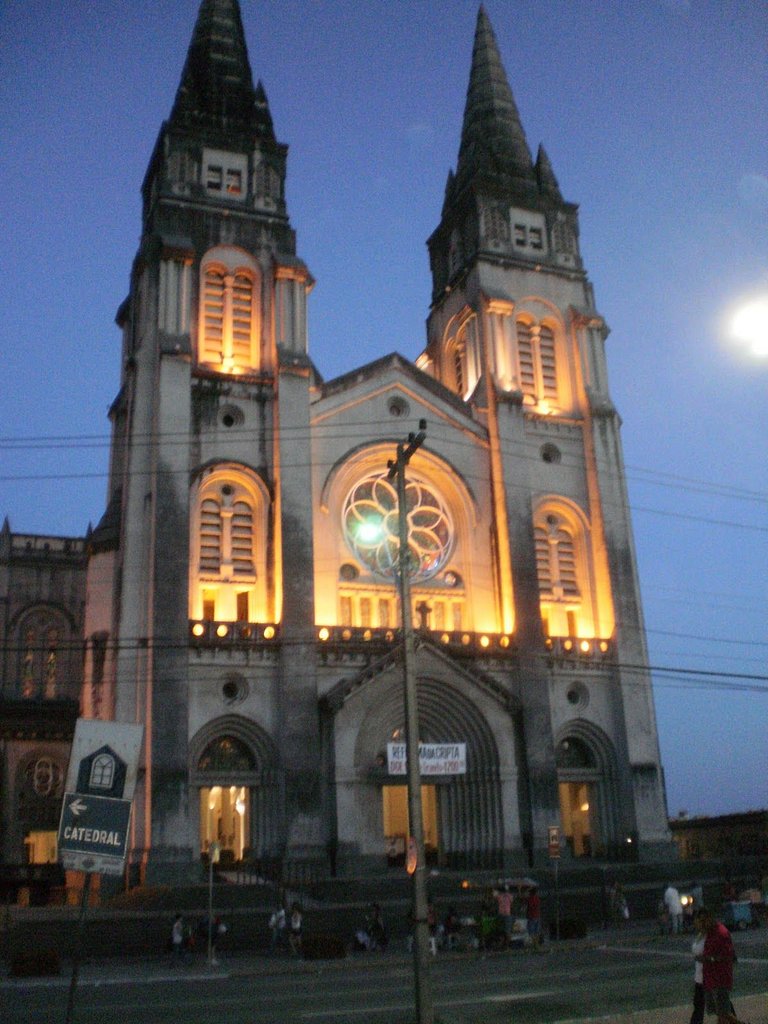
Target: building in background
pixel 42 601
pixel 723 837
pixel 242 601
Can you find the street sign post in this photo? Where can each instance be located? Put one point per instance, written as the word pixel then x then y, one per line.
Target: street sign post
pixel 93 833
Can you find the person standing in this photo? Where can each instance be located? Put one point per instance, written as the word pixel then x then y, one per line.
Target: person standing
pixel 177 939
pixel 533 916
pixel 504 914
pixel 278 924
pixel 674 906
pixel 295 929
pixel 717 959
pixel 697 948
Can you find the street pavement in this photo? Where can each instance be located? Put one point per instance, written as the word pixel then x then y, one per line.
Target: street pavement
pixel 637 939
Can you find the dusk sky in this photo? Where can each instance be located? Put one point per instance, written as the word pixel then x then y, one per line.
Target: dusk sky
pixel 653 113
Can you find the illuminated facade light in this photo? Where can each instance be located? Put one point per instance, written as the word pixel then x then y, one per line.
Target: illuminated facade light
pixel 585 646
pixel 367 635
pixel 504 641
pixel 568 645
pixel 445 639
pixel 222 630
pixel 198 629
pixel 603 646
pixel 466 639
pixel 484 641
pixel 346 634
pixel 269 632
pixel 323 634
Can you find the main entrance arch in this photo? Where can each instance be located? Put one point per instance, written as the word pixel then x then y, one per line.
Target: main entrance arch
pixel 234 769
pixel 470 818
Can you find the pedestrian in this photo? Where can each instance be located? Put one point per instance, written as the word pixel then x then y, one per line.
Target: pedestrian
pixel 533 916
pixel 697 949
pixel 278 924
pixel 619 907
pixel 376 930
pixel 177 939
pixel 504 914
pixel 717 958
pixel 295 926
pixel 674 906
pixel 451 928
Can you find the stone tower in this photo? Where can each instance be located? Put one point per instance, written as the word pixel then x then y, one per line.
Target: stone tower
pixel 213 400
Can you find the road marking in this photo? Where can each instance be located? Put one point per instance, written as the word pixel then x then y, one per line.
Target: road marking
pixel 675 954
pixel 514 997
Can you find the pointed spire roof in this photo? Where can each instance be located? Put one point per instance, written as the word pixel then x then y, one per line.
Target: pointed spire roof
pixel 493 142
pixel 216 89
pixel 545 176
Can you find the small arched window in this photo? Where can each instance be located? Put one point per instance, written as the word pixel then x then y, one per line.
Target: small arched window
pixel 556 559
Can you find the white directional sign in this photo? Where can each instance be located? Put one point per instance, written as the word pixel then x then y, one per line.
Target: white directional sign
pixel 93 833
pixel 104 758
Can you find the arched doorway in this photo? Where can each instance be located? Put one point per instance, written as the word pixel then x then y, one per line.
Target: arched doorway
pixel 234 770
pixel 462 813
pixel 586 786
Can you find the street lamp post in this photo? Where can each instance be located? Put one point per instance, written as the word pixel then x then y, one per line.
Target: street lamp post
pixel 423 987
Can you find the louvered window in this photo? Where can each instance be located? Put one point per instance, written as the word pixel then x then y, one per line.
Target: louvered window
pixel 543 567
pixel 242 318
pixel 460 366
pixel 242 537
pixel 556 560
pixel 525 356
pixel 213 316
pixel 537 361
pixel 228 319
pixel 547 361
pixel 210 536
pixel 566 564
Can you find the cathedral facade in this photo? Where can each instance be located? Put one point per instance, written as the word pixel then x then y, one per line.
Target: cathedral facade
pixel 242 583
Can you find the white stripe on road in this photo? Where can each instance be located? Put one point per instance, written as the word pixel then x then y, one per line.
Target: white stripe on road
pixel 389 1007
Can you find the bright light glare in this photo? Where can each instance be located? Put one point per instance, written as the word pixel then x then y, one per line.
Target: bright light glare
pixel 369 531
pixel 749 325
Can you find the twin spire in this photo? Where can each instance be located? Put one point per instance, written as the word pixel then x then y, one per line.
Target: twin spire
pixel 216 89
pixel 494 150
pixel 217 92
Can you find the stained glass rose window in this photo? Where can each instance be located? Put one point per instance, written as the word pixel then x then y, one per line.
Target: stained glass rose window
pixel 371 528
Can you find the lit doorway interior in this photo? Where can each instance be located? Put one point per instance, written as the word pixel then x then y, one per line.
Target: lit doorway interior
pixel 395 820
pixel 225 819
pixel 41 847
pixel 578 811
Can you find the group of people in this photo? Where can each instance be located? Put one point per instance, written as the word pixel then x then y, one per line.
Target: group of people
pixel 185 939
pixel 677 913
pixel 286 929
pixel 714 957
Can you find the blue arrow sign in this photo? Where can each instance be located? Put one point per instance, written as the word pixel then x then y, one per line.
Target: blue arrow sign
pixel 93 833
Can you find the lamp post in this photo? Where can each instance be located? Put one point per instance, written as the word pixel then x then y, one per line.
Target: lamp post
pixel 423 987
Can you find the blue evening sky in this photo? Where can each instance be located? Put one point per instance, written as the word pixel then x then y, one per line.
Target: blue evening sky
pixel 653 113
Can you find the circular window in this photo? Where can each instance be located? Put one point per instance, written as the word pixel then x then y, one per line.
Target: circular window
pixel 550 453
pixel 234 690
pixel 398 407
pixel 231 416
pixel 577 695
pixel 349 572
pixel 371 527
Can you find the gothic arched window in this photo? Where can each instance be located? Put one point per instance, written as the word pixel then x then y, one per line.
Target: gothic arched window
pixel 228 548
pixel 537 362
pixel 228 328
pixel 41 672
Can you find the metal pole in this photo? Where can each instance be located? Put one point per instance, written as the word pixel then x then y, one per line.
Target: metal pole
pixel 78 947
pixel 422 981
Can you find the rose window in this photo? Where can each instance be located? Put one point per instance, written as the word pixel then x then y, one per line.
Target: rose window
pixel 371 527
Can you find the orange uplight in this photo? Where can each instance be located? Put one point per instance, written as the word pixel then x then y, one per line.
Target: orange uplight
pixel 503 641
pixel 222 630
pixel 445 639
pixel 603 646
pixel 465 638
pixel 269 632
pixel 585 646
pixel 568 645
pixel 484 641
pixel 323 634
pixel 198 629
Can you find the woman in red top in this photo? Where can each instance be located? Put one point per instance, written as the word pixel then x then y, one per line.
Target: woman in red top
pixel 717 959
